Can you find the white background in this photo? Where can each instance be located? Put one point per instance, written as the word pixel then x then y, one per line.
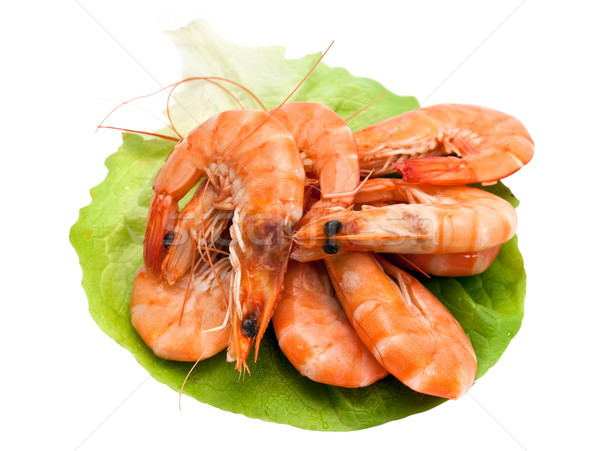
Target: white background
pixel 65 385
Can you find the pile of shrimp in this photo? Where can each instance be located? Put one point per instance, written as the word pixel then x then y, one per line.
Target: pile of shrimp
pixel 293 220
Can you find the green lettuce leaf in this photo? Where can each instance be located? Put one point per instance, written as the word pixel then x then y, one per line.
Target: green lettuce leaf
pixel 108 240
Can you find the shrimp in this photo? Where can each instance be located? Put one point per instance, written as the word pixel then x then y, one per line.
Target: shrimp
pixel 408 330
pixel 254 166
pixel 327 149
pixel 433 220
pixel 460 264
pixel 315 334
pixel 487 145
pixel 156 313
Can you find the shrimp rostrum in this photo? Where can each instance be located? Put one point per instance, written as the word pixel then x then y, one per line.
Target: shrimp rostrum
pixel 252 163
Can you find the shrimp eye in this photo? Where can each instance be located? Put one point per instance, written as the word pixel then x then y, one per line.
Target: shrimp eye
pixel 332 227
pixel 168 240
pixel 330 247
pixel 250 325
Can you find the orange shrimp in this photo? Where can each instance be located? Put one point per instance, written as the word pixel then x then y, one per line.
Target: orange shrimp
pixel 315 334
pixel 327 149
pixel 432 220
pixel 254 166
pixel 156 313
pixel 459 264
pixel 446 144
pixel 408 330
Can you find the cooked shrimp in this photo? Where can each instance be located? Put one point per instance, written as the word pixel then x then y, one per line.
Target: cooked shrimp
pixel 408 330
pixel 327 149
pixel 253 163
pixel 315 334
pixel 433 220
pixel 460 264
pixel 446 145
pixel 156 313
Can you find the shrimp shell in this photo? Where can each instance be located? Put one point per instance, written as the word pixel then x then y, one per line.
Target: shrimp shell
pixel 255 160
pixel 434 220
pixel 156 310
pixel 488 145
pixel 315 334
pixel 408 330
pixel 459 264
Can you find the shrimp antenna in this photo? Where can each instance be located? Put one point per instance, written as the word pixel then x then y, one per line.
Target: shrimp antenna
pixel 212 80
pixel 158 135
pixel 145 110
pixel 125 103
pixel 274 110
pixel 170 95
pixel 189 286
pixel 348 193
pixel 203 235
pixel 305 77
pixel 414 266
pixel 372 102
pixel 189 374
pixel 227 80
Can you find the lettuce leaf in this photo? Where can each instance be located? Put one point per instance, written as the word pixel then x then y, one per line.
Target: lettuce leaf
pixel 108 240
